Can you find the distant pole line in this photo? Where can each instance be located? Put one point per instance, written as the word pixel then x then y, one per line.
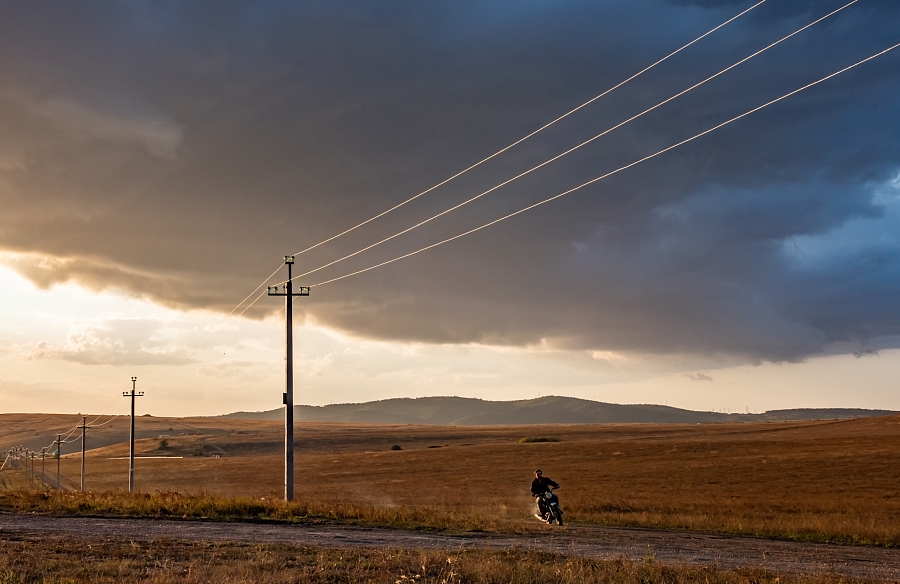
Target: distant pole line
pixel 540 129
pixel 288 397
pixel 620 169
pixel 581 145
pixel 132 395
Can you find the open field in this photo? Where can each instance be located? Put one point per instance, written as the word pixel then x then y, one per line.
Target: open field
pixel 59 559
pixel 819 481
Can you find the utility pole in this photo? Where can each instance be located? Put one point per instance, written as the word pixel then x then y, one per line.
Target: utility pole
pixel 288 398
pixel 133 395
pixel 58 443
pixel 32 469
pixel 84 428
pixel 43 454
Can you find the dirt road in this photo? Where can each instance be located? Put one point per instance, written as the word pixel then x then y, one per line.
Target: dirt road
pixel 672 547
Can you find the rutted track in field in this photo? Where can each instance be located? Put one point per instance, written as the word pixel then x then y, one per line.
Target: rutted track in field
pixel 671 547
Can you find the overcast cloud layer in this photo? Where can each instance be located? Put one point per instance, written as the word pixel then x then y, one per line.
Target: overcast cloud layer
pixel 177 150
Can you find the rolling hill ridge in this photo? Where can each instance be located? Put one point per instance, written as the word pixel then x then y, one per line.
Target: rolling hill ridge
pixel 462 411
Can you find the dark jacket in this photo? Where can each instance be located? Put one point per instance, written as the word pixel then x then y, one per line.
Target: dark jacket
pixel 542 485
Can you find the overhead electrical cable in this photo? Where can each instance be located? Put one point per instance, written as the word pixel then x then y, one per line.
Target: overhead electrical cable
pixel 105 409
pixel 501 151
pixel 70 432
pixel 221 320
pixel 535 132
pixel 582 144
pixel 94 424
pixel 219 356
pixel 208 341
pixel 620 169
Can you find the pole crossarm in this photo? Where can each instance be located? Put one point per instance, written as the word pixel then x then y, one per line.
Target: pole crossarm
pixel 273 291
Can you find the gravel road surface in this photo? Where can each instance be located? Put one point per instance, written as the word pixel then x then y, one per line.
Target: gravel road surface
pixel 671 547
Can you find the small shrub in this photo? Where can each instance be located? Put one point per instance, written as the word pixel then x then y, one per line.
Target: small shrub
pixel 396 447
pixel 530 439
pixel 163 444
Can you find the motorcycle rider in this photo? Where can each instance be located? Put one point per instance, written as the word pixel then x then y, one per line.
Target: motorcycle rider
pixel 541 485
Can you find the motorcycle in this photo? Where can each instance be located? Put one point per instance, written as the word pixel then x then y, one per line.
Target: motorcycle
pixel 548 508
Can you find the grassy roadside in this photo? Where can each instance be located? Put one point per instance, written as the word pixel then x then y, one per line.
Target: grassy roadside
pixel 27 560
pixel 170 505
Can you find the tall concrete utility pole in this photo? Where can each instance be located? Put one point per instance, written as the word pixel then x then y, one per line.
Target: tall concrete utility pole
pixel 58 443
pixel 288 398
pixel 84 428
pixel 132 395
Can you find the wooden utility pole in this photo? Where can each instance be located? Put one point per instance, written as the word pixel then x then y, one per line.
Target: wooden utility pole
pixel 58 443
pixel 84 428
pixel 288 397
pixel 133 395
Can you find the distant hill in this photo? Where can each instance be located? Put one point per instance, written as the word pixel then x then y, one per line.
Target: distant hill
pixel 462 411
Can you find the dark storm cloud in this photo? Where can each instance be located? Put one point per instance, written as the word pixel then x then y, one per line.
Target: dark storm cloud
pixel 177 150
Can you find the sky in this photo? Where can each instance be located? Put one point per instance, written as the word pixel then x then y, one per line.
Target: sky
pixel 158 159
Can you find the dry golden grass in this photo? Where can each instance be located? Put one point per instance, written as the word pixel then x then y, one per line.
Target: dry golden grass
pixel 59 560
pixel 821 481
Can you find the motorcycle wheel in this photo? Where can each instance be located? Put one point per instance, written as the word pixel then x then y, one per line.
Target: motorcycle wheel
pixel 554 515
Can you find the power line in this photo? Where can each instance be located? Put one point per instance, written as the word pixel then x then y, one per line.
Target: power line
pixel 173 384
pixel 501 151
pixel 574 148
pixel 620 169
pixel 211 339
pixel 93 425
pixel 541 129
